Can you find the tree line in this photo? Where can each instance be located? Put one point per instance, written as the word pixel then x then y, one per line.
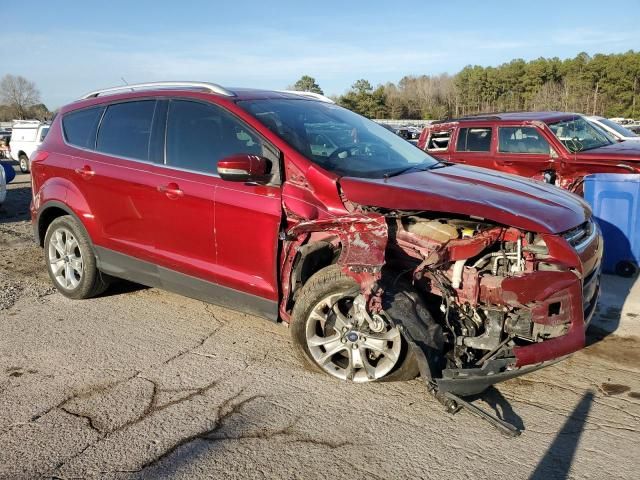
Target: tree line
pixel 606 85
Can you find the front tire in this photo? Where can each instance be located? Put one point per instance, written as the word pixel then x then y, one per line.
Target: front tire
pixel 330 337
pixel 24 163
pixel 70 260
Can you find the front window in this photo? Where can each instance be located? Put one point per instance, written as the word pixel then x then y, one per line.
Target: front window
pixel 616 127
pixel 337 139
pixel 522 140
pixel 578 135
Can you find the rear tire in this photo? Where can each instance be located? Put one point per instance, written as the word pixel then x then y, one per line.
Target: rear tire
pixel 626 269
pixel 24 163
pixel 70 260
pixel 372 357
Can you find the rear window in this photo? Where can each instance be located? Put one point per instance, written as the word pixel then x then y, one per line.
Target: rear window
pixel 126 128
pixel 439 140
pixel 80 127
pixel 474 140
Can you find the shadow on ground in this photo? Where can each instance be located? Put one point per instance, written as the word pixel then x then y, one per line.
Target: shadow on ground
pixel 557 461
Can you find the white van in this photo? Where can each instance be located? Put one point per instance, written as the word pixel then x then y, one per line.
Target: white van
pixel 26 137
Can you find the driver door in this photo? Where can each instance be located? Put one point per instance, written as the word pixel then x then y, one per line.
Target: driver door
pixel 524 151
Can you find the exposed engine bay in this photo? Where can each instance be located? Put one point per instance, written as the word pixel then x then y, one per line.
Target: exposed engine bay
pixel 462 264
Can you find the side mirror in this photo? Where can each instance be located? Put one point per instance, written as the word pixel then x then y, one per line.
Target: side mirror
pixel 244 167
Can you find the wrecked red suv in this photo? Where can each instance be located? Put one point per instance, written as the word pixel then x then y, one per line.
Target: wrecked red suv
pixel 556 147
pixel 384 262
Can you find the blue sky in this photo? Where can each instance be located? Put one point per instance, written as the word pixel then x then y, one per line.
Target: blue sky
pixel 70 47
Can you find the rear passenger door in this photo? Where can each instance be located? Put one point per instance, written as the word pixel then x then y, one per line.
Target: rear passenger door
pixel 523 151
pixel 473 146
pixel 112 172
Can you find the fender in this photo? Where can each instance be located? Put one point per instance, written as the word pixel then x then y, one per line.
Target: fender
pixel 61 193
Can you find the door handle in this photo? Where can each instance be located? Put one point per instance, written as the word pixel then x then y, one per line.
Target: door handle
pixel 85 172
pixel 172 190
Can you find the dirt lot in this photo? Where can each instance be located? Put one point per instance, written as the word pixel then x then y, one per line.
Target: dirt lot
pixel 141 383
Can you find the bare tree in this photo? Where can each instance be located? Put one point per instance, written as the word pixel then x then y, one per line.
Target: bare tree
pixel 19 94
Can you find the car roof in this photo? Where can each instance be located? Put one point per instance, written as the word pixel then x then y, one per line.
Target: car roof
pixel 547 117
pixel 177 89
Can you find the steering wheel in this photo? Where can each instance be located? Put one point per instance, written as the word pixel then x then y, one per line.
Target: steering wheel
pixel 335 155
pixel 578 144
pixel 347 148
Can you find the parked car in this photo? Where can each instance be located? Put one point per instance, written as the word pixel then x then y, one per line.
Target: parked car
pixel 7 174
pixel 383 261
pixel 556 147
pixel 26 136
pixel 634 128
pixel 618 131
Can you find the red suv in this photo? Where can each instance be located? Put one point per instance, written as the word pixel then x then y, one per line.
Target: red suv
pixel 559 148
pixel 383 261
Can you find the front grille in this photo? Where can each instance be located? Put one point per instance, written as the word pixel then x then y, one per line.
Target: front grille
pixel 580 236
pixel 590 293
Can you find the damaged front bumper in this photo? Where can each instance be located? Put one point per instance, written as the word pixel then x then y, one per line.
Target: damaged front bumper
pixel 577 301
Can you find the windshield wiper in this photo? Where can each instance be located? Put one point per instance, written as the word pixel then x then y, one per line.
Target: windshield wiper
pixel 415 168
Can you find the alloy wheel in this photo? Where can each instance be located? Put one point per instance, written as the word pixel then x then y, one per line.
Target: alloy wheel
pixel 65 259
pixel 343 344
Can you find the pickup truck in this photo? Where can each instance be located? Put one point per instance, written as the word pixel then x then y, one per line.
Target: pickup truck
pixel 26 137
pixel 556 147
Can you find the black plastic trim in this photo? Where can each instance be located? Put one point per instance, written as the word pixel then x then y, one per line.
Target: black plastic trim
pixel 140 271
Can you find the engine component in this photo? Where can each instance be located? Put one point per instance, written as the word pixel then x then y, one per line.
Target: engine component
pixel 432 229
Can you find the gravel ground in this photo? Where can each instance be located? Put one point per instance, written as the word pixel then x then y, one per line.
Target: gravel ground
pixel 141 383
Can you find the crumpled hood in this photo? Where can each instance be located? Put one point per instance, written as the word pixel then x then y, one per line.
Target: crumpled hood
pixel 496 196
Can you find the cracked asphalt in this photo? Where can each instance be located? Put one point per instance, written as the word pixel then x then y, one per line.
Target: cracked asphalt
pixel 142 383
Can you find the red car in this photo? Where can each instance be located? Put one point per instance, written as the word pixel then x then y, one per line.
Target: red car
pixel 559 148
pixel 383 261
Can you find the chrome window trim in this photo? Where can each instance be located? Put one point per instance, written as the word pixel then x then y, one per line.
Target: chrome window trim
pixel 163 165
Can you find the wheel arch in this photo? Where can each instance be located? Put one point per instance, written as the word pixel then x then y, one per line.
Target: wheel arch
pixel 311 258
pixel 48 213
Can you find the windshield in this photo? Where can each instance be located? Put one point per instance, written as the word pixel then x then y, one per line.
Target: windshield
pixel 625 132
pixel 337 139
pixel 579 135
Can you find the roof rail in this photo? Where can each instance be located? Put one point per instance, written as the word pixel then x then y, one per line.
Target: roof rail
pixel 212 87
pixel 317 96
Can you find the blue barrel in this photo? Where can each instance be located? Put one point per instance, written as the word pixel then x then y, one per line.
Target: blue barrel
pixel 9 172
pixel 615 200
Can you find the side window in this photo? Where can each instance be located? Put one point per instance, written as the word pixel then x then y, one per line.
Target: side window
pixel 522 140
pixel 43 134
pixel 199 135
pixel 474 139
pixel 439 141
pixel 79 127
pixel 126 128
